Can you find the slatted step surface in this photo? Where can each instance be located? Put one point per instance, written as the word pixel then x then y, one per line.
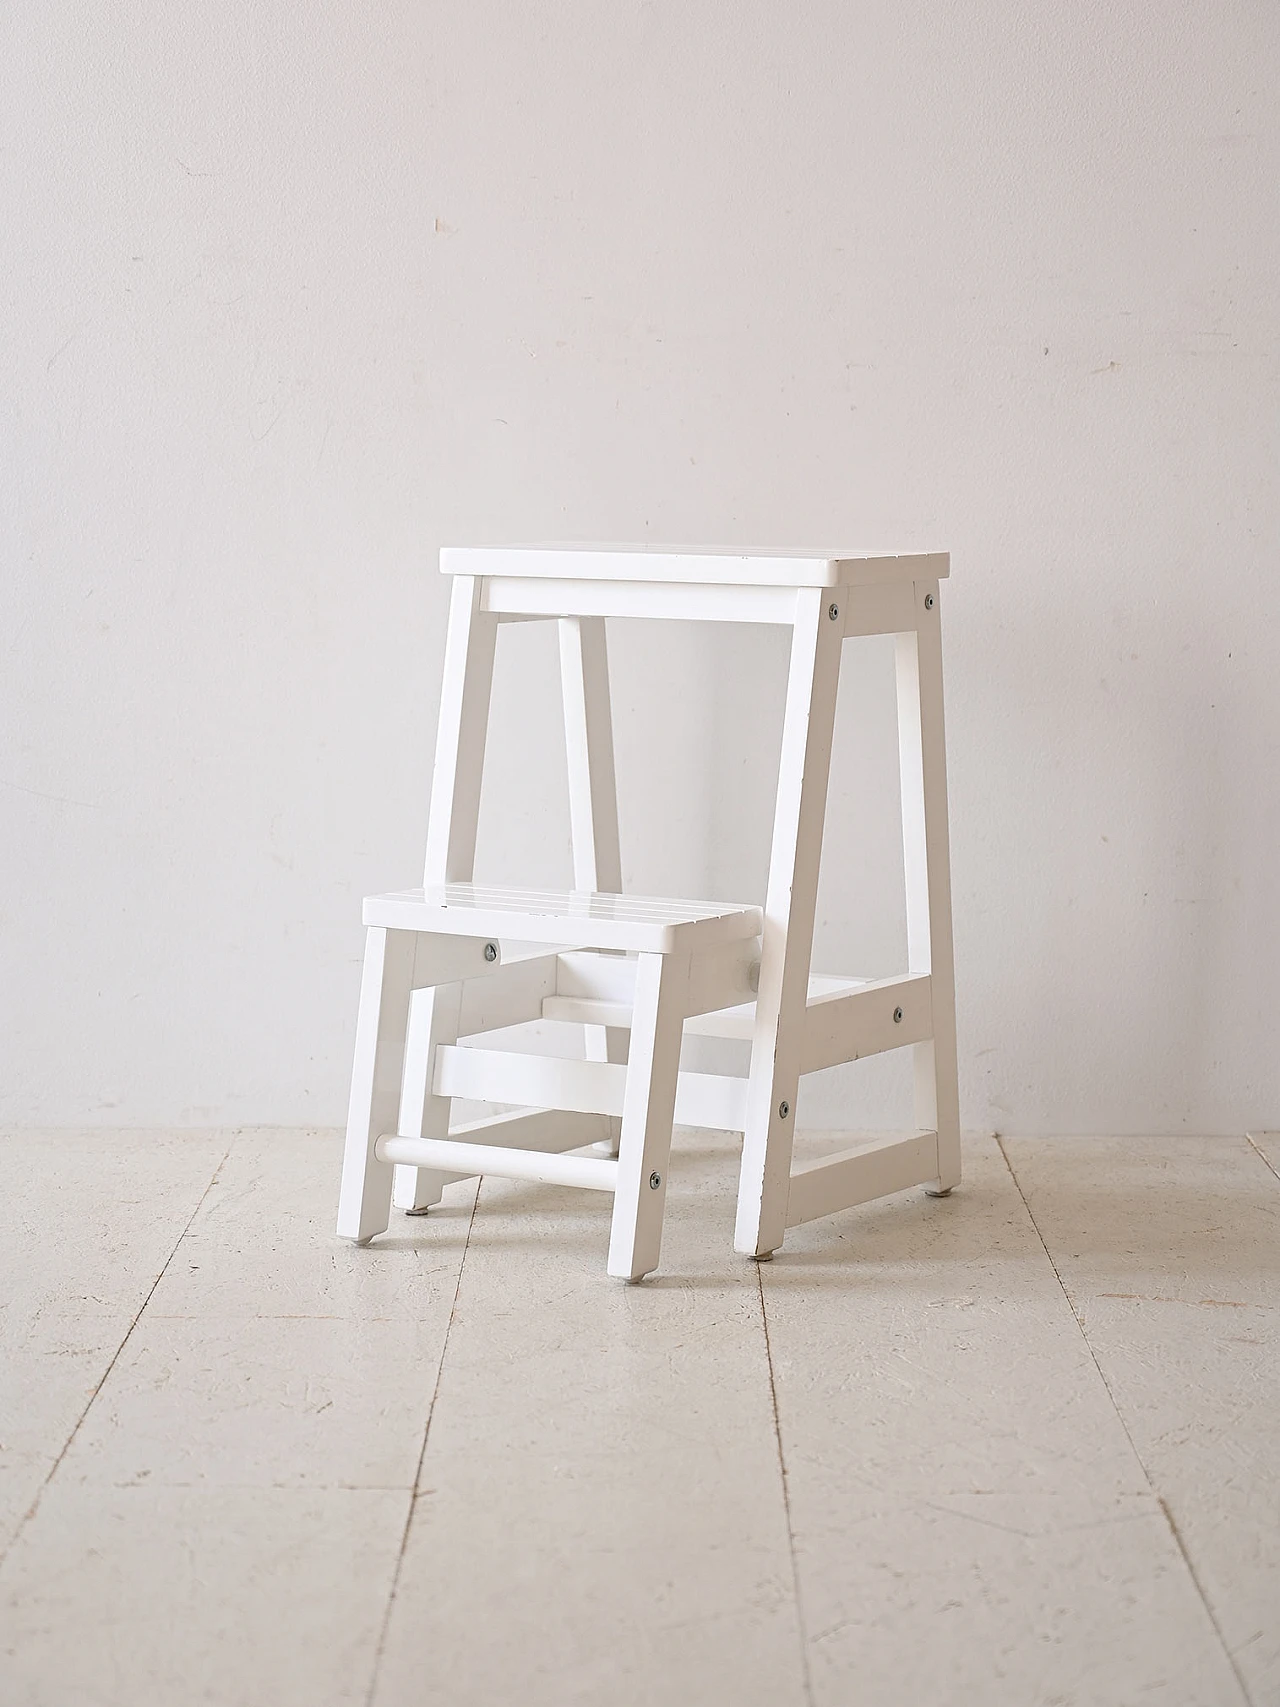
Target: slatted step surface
pixel 643 924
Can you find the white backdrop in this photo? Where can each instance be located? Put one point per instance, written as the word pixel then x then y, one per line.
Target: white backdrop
pixel 294 294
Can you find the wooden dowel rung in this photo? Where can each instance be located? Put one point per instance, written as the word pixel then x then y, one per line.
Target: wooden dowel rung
pixel 447 1156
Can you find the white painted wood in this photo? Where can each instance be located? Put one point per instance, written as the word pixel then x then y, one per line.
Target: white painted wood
pixel 595 1173
pixel 593 792
pixel 599 990
pixel 454 815
pixel 927 857
pixel 434 1013
pixel 738 1023
pixel 832 1023
pixel 722 977
pixel 433 1020
pixel 1166 1247
pixel 639 923
pixel 849 1026
pixel 249 1461
pixel 798 1022
pixel 588 731
pixel 859 1175
pixel 638 563
pixel 460 738
pixel 648 1109
pixel 364 1202
pixel 590 1087
pixel 888 607
pixel 777 1040
pixel 611 1043
pixel 444 958
pixel 717 1101
pixel 592 1014
pixel 549 1129
pixel 570 1414
pixel 513 995
pixel 593 975
pixel 505 595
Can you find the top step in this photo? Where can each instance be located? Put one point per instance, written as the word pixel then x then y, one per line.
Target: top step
pixel 576 918
pixel 704 568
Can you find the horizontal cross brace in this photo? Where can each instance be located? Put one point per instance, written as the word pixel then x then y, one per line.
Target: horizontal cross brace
pixel 845 1020
pixel 695 602
pixel 590 1087
pixel 447 1155
pixel 858 1176
pixel 845 1026
pixel 886 607
pixel 546 1129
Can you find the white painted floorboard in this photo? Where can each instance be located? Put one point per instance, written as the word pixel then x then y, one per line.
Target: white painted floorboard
pixel 600 1513
pixel 82 1243
pixel 1169 1249
pixel 1029 1437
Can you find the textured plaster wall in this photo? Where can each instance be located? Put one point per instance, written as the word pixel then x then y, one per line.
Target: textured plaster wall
pixel 294 294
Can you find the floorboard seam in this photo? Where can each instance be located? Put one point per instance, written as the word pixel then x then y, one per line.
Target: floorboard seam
pixel 115 1358
pixel 422 1453
pixel 1261 1154
pixel 1133 1446
pixel 786 1495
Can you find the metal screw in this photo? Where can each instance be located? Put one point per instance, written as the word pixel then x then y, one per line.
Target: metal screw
pixel 928 601
pixel 491 951
pixel 784 1109
pixel 897 1016
pixel 833 611
pixel 655 1180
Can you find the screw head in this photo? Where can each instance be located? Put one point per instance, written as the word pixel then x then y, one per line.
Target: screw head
pixel 655 1180
pixel 491 952
pixel 897 1016
pixel 833 611
pixel 784 1109
pixel 928 601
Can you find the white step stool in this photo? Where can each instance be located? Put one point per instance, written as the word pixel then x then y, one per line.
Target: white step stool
pixel 470 960
pixel 689 957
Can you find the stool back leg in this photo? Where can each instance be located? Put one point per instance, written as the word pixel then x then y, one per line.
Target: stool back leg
pixel 461 735
pixel 926 852
pixel 648 1109
pixel 787 947
pixel 364 1202
pixel 588 739
pixel 593 795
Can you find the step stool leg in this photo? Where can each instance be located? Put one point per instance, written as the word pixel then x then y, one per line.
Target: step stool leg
pixel 648 1109
pixel 607 1043
pixel 588 740
pixel 461 736
pixel 364 1203
pixel 922 753
pixel 593 795
pixel 433 1019
pixel 787 946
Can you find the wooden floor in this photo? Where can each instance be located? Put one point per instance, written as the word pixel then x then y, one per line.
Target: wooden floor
pixel 1021 1446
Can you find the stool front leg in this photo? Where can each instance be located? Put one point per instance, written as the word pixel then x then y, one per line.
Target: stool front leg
pixel 635 1240
pixel 433 1020
pixel 787 944
pixel 364 1203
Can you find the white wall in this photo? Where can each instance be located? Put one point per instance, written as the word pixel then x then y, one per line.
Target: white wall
pixel 293 294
